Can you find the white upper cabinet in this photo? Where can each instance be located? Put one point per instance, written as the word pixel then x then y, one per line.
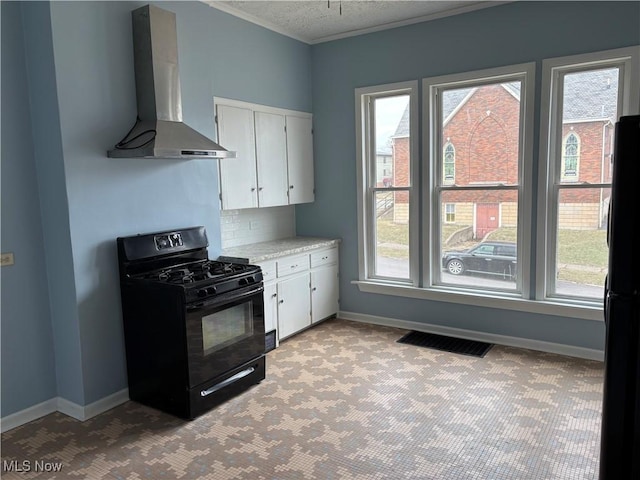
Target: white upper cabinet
pixel 274 164
pixel 236 132
pixel 271 159
pixel 300 159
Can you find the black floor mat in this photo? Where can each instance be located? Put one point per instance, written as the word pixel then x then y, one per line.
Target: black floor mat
pixel 448 344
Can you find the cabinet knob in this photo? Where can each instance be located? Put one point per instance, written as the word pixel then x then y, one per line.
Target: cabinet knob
pixel 260 189
pixel 281 301
pixel 274 295
pixel 314 289
pixel 253 189
pixel 291 187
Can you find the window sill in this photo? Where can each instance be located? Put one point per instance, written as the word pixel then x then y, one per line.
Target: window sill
pixel 558 308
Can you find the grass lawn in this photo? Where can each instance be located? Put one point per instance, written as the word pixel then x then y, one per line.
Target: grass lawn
pixel 585 249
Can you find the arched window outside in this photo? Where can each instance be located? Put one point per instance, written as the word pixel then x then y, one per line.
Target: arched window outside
pixel 449 165
pixel 570 157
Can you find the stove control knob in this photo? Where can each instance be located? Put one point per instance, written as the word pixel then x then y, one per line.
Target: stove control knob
pixel 202 293
pixel 211 290
pixel 243 281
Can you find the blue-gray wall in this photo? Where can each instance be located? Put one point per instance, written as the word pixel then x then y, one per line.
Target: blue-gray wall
pixel 513 33
pixel 27 363
pixel 72 84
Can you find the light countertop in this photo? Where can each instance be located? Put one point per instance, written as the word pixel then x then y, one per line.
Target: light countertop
pixel 259 252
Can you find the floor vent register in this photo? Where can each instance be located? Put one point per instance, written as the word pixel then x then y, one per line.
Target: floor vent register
pixel 447 344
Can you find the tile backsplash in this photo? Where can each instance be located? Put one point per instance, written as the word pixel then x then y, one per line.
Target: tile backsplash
pixel 252 225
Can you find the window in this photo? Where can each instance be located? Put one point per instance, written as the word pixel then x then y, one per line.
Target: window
pixel 449 159
pixel 506 250
pixel 450 212
pixel 587 94
pixel 486 112
pixel 570 156
pixel 477 239
pixel 387 206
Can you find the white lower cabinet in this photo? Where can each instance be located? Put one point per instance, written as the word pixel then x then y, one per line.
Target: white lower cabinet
pixel 324 292
pixel 294 304
pixel 300 290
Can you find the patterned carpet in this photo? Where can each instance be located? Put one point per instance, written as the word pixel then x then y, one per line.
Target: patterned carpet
pixel 345 401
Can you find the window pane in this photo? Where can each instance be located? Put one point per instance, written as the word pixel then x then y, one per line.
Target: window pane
pixel 480 135
pixel 392 234
pixel 478 248
pixel 589 112
pixel 582 252
pixel 392 141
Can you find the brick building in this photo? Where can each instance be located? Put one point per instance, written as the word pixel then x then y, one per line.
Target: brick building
pixel 480 146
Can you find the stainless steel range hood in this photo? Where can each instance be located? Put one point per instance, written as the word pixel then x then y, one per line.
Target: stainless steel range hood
pixel 159 131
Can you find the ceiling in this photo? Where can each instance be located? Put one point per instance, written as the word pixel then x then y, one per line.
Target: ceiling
pixel 316 21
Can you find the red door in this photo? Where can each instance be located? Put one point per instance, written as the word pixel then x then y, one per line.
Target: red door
pixel 486 218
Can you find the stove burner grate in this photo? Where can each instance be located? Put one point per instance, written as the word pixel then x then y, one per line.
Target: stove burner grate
pixel 196 272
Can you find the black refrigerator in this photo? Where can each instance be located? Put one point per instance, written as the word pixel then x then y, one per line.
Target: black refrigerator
pixel 620 438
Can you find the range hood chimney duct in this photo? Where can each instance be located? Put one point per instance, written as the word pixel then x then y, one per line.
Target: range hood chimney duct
pixel 159 131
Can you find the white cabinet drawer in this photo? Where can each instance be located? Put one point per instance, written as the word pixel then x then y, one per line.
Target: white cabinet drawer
pixel 324 257
pixel 290 265
pixel 268 270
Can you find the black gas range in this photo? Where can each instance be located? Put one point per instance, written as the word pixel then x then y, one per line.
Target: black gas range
pixel 194 327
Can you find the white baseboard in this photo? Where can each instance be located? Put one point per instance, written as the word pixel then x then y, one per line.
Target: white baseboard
pixel 84 413
pixel 106 403
pixel 59 404
pixel 542 346
pixel 28 415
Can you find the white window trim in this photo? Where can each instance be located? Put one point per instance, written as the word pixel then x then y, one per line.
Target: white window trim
pixel 629 59
pixel 483 299
pixel 363 153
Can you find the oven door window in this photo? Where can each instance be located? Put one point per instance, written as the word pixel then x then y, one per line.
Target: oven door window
pixel 224 333
pixel 227 327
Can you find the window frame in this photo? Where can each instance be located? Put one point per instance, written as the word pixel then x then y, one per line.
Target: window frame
pixel 432 138
pixel 533 302
pixel 550 163
pixel 366 189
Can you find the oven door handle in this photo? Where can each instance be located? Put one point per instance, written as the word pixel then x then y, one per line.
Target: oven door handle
pixel 226 298
pixel 227 382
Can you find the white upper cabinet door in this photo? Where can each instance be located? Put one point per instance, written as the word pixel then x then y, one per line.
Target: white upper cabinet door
pixel 238 180
pixel 300 159
pixel 271 158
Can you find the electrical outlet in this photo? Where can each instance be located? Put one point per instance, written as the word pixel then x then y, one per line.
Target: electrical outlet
pixel 6 259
